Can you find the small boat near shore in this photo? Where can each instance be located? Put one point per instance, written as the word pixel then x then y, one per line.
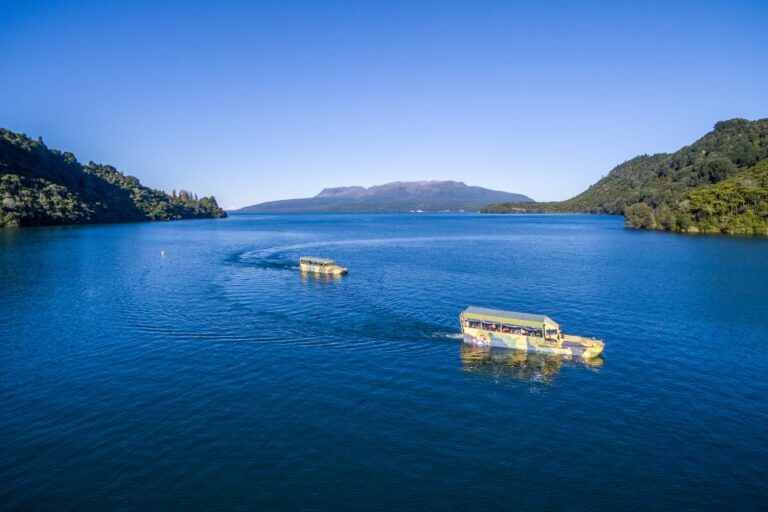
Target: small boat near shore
pixel 483 327
pixel 321 266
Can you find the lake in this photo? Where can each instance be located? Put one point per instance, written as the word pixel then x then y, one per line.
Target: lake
pixel 218 377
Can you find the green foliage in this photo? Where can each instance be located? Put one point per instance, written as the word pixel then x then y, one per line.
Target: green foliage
pixel 663 217
pixel 737 205
pixel 640 215
pixel 37 201
pixel 42 186
pixel 713 186
pixel 519 208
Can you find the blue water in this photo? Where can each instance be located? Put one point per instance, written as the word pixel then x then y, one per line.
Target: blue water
pixel 216 377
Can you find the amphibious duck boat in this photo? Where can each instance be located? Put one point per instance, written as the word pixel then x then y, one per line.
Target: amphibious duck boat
pixel 321 266
pixel 484 327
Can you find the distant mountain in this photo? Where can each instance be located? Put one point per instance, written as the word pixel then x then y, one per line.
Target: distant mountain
pixel 393 197
pixel 41 186
pixel 681 191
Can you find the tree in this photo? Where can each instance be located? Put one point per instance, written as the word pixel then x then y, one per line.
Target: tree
pixel 639 215
pixel 665 218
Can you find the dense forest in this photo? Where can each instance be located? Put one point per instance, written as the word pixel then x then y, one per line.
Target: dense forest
pixel 41 186
pixel 715 185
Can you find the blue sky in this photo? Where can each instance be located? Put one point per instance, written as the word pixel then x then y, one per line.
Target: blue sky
pixel 254 101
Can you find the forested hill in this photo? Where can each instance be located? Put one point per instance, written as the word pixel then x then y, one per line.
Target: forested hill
pixel 41 186
pixel 655 192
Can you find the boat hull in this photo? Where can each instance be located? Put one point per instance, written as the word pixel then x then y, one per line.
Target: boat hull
pixel 325 270
pixel 568 345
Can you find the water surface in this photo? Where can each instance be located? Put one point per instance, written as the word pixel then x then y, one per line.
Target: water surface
pixel 218 377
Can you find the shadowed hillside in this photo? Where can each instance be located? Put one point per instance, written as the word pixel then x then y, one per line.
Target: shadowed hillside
pixel 41 186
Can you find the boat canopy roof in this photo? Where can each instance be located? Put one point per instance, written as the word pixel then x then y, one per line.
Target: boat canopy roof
pixel 317 261
pixel 509 317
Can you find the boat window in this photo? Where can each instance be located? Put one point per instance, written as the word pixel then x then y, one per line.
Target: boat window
pixel 506 328
pixel 320 263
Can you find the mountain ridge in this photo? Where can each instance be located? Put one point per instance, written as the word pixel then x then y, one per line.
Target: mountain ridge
pixel 427 195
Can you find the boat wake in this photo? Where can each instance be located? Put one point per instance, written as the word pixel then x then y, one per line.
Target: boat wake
pixel 448 335
pixel 264 259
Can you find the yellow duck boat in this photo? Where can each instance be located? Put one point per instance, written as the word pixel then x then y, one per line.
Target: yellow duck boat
pixel 484 327
pixel 321 266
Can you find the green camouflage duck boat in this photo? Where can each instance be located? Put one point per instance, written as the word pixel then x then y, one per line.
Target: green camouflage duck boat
pixel 483 327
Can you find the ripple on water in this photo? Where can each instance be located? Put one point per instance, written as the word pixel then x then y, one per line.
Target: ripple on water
pixel 218 376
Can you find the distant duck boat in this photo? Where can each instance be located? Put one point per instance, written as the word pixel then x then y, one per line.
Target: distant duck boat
pixel 484 327
pixel 321 266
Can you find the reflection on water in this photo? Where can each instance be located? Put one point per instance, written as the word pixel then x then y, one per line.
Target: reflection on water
pixel 501 363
